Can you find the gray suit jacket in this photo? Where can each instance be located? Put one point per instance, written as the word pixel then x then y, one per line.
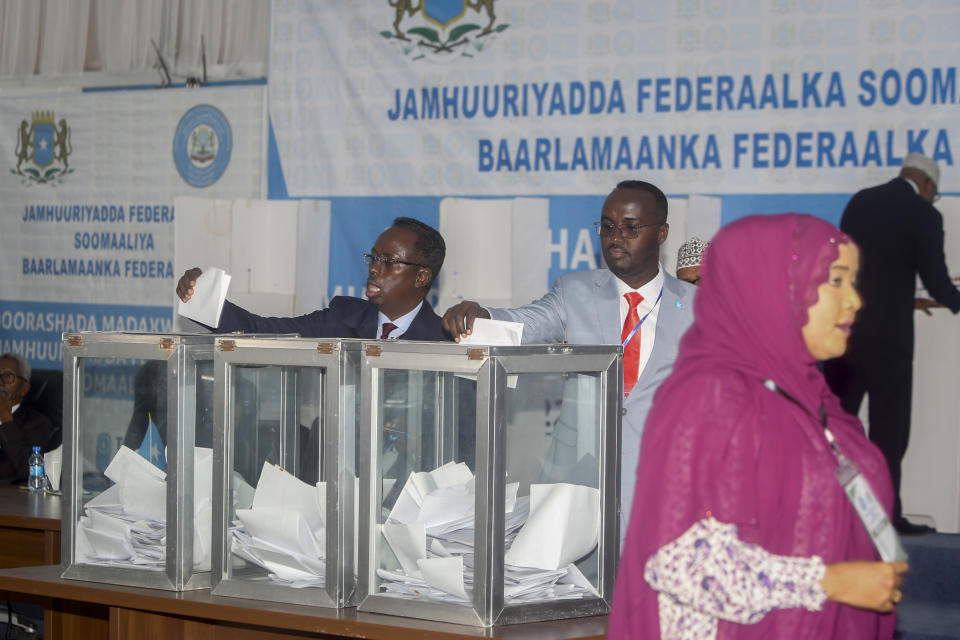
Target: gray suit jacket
pixel 584 308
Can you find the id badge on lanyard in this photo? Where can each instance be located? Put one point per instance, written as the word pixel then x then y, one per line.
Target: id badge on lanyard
pixel 871 512
pixel 857 489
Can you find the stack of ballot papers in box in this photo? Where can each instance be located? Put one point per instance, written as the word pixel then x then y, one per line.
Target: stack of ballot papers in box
pixel 126 525
pixel 283 529
pixel 431 533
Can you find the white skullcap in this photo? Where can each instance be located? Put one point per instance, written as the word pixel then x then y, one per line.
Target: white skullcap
pixel 690 253
pixel 925 164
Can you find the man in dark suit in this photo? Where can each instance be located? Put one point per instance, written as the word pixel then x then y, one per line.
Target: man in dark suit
pixel 900 234
pixel 21 426
pixel 404 262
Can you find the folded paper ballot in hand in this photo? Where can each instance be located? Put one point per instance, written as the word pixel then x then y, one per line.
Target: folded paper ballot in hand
pixel 431 533
pixel 494 332
pixel 125 526
pixel 208 296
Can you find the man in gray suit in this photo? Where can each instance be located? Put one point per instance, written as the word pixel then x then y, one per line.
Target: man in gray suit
pixel 594 307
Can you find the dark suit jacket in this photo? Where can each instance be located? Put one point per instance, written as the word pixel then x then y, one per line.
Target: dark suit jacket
pixel 900 235
pixel 28 428
pixel 346 317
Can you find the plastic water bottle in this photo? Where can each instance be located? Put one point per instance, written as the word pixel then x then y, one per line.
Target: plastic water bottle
pixel 38 475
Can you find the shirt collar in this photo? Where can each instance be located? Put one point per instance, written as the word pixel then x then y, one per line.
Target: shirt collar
pixel 916 187
pixel 649 291
pixel 403 322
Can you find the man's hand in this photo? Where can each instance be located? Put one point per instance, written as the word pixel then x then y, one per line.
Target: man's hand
pixel 925 304
pixel 458 320
pixel 187 282
pixel 868 585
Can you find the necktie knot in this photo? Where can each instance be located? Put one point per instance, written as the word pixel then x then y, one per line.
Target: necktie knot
pixel 387 328
pixel 633 299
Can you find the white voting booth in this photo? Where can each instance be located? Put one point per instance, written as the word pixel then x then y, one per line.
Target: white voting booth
pixel 251 240
pixel 930 485
pixel 497 251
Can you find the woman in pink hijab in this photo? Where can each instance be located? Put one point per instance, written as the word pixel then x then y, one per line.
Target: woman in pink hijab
pixel 740 527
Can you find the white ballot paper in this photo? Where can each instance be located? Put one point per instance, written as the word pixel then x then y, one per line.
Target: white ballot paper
pixel 284 531
pixel 497 333
pixel 563 526
pixel 494 332
pixel 52 461
pixel 208 297
pixel 430 531
pixel 125 526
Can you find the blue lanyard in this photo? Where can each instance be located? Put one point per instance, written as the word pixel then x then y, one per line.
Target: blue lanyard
pixel 637 327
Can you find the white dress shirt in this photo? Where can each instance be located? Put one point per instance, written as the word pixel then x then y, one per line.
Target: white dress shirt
pixel 648 331
pixel 13 410
pixel 403 322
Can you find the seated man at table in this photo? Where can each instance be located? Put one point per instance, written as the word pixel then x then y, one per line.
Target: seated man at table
pixel 21 427
pixel 403 263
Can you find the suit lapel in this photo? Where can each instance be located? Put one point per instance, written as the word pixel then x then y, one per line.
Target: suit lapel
pixel 667 320
pixel 417 329
pixel 367 328
pixel 607 305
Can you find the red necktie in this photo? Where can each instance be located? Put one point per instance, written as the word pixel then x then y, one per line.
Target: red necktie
pixel 631 352
pixel 387 328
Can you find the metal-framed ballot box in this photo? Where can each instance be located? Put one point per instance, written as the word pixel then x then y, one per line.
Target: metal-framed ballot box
pixel 285 470
pixel 489 481
pixel 138 459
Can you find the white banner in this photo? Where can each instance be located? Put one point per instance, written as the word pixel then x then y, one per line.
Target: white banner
pixel 86 237
pixel 443 97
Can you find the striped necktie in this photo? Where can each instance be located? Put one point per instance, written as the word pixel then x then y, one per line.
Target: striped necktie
pixel 387 328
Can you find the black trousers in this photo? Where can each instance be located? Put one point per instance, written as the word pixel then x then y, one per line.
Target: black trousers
pixel 888 379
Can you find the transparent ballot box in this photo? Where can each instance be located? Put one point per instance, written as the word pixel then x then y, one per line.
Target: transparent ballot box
pixel 138 459
pixel 489 481
pixel 285 470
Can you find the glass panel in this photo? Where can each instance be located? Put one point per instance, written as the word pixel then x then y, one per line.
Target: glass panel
pixel 410 415
pixel 204 412
pixel 278 507
pixel 427 429
pixel 201 387
pixel 122 402
pixel 553 443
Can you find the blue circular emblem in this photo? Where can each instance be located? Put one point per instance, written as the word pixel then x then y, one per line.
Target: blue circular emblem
pixel 202 145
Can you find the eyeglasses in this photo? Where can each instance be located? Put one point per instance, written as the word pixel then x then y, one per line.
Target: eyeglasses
pixel 9 377
pixel 627 230
pixel 369 258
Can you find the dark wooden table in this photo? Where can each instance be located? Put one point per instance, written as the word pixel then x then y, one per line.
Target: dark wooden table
pixel 29 528
pixel 92 610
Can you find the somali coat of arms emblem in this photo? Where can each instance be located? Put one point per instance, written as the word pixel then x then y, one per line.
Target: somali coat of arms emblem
pixel 43 149
pixel 443 30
